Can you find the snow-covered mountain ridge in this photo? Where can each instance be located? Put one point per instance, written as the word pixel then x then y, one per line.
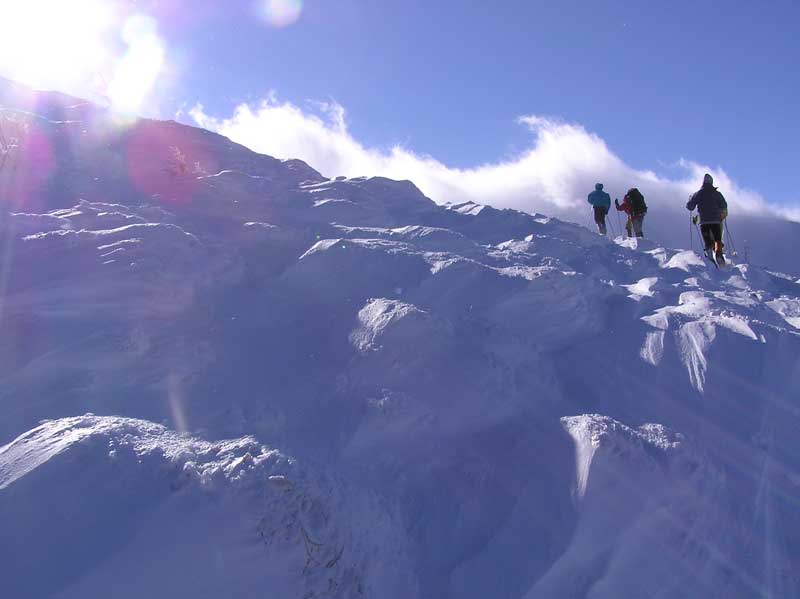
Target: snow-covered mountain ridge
pixel 308 387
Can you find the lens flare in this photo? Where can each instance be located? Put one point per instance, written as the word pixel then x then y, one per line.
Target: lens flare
pixel 282 13
pixel 23 184
pixel 175 401
pixel 167 161
pixel 136 73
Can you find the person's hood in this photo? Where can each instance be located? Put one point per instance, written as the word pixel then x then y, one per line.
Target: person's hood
pixel 708 180
pixel 598 186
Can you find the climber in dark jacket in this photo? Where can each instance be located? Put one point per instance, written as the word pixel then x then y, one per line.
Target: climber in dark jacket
pixel 713 209
pixel 601 202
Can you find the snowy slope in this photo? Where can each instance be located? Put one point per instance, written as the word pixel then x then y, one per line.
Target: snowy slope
pixel 290 372
pixel 168 515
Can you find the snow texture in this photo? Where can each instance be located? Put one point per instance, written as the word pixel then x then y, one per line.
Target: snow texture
pixel 306 387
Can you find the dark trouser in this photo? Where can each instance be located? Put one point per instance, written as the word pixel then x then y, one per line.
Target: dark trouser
pixel 712 236
pixel 634 225
pixel 600 218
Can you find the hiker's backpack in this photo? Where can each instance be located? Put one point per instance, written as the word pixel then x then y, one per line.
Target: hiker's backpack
pixel 636 199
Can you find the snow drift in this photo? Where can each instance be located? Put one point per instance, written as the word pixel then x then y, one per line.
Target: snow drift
pixel 169 515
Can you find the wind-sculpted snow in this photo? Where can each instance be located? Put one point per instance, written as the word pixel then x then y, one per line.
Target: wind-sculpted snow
pixel 788 308
pixel 646 500
pixel 380 317
pixel 477 402
pixel 126 508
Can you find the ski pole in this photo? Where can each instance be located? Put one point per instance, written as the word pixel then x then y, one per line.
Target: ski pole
pixel 691 235
pixel 728 233
pixel 611 224
pixel 699 235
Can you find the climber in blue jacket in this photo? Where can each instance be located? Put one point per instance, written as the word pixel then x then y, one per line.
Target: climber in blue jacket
pixel 601 202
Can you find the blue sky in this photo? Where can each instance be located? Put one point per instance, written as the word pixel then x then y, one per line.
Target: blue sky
pixel 708 81
pixel 715 82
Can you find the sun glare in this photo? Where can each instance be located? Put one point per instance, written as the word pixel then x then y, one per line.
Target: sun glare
pixel 93 48
pixel 53 43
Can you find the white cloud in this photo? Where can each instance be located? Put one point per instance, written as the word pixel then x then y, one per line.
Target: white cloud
pixel 553 176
